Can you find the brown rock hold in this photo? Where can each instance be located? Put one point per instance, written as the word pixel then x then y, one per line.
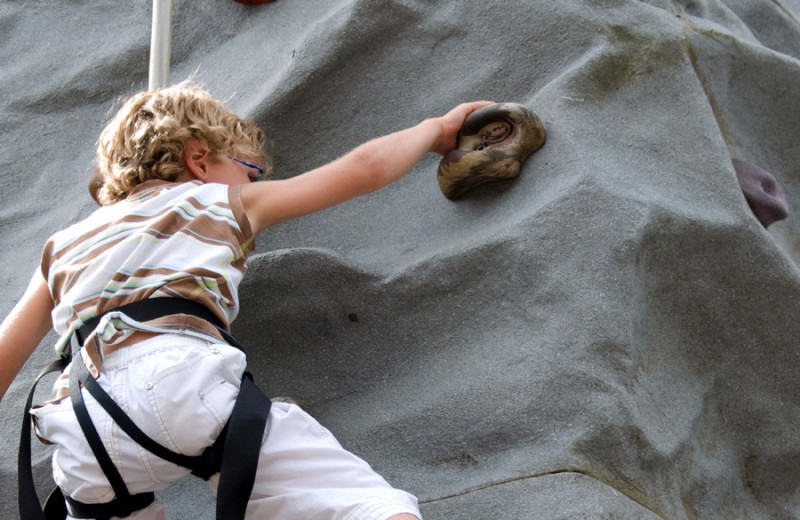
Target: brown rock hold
pixel 492 144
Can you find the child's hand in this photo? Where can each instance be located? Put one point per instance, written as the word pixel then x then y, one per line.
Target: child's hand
pixel 450 124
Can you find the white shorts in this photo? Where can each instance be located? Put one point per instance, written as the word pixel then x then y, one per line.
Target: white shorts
pixel 180 391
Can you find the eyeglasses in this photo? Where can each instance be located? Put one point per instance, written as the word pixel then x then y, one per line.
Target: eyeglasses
pixel 258 168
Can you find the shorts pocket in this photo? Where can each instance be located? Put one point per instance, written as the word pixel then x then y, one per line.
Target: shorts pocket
pixel 219 399
pixel 191 401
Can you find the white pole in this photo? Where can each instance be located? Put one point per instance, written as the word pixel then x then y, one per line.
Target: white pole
pixel 160 44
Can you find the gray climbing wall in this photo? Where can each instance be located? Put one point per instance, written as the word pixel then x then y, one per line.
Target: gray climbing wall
pixel 611 335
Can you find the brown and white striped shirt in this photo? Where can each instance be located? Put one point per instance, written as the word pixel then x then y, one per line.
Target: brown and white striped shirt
pixel 188 240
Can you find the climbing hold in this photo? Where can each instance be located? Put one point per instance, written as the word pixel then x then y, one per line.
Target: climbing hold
pixel 492 144
pixel 764 194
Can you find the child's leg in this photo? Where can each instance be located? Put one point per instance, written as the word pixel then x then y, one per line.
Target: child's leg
pixel 303 472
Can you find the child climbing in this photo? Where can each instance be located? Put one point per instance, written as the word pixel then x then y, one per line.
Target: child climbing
pixel 142 294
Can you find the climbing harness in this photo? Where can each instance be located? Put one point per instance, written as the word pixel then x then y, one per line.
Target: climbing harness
pixel 242 435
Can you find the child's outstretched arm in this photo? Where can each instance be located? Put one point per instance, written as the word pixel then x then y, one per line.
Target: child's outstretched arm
pixel 23 329
pixel 367 168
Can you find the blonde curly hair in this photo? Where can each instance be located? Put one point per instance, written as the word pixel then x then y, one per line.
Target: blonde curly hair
pixel 147 139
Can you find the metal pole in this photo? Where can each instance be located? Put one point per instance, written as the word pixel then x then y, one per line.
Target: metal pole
pixel 160 44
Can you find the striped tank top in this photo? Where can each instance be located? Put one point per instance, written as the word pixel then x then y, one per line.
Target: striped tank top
pixel 186 240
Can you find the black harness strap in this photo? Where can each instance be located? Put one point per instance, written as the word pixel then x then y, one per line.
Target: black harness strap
pixel 29 507
pixel 242 435
pixel 56 505
pixel 124 505
pixel 89 430
pixel 108 510
pixel 246 431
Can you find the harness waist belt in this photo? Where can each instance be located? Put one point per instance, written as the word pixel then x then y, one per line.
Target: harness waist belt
pixel 146 310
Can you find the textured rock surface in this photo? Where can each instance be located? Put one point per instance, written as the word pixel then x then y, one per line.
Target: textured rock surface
pixel 611 335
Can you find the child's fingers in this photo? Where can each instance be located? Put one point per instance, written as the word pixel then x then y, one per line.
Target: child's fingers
pixel 465 109
pixel 451 123
pixel 457 116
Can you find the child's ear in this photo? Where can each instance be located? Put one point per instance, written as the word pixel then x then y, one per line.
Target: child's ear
pixel 196 159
